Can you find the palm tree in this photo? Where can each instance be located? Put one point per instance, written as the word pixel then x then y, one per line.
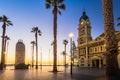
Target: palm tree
pixel 112 70
pixel 118 21
pixel 65 42
pixel 33 44
pixel 37 32
pixel 6 39
pixel 57 4
pixel 6 22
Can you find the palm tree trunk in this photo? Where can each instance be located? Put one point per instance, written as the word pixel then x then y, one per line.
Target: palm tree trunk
pixel 112 70
pixel 118 21
pixel 36 51
pixel 3 44
pixel 65 56
pixel 55 39
pixel 33 55
pixel 5 53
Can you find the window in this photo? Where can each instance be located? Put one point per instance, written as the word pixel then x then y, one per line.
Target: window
pixel 101 48
pixel 82 60
pixel 95 49
pixel 90 50
pixel 82 51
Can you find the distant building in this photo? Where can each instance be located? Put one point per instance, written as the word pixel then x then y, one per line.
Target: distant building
pixel 91 53
pixel 20 53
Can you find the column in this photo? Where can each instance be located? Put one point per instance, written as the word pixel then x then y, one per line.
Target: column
pixel 86 56
pixel 100 63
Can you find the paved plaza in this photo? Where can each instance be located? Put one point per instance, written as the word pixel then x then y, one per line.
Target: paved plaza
pixel 45 73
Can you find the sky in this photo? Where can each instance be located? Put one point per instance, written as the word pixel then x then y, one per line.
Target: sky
pixel 26 14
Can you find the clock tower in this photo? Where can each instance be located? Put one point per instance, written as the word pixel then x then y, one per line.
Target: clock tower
pixel 84 29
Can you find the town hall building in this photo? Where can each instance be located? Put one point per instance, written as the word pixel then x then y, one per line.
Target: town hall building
pixel 91 52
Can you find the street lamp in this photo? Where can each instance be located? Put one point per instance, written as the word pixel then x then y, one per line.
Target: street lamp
pixel 71 35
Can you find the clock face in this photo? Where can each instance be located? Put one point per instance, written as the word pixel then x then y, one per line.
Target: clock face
pixel 85 22
pixel 88 22
pixel 81 22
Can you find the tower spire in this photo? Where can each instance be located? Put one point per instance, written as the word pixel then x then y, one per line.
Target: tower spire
pixel 84 12
pixel 83 9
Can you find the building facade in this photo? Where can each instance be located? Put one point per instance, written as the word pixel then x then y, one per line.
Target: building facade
pixel 91 52
pixel 20 53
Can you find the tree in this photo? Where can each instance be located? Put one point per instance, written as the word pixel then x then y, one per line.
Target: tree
pixel 65 42
pixel 112 70
pixel 73 51
pixel 118 21
pixel 56 4
pixel 6 39
pixel 37 32
pixel 33 44
pixel 6 22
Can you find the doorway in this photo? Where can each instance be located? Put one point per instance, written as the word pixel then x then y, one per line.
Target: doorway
pixel 95 63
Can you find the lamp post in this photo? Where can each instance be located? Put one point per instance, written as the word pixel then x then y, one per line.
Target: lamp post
pixel 71 35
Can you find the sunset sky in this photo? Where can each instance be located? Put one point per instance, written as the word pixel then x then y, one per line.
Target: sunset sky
pixel 26 14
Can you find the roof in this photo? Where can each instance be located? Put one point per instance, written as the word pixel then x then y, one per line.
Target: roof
pixel 84 16
pixel 102 36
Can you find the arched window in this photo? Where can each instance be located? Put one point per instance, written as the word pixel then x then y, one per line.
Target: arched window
pixel 82 60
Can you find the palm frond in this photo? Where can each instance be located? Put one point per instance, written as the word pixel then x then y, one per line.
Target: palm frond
pixel 9 23
pixel 0 19
pixel 52 43
pixel 48 1
pixel 36 30
pixel 59 12
pixel 60 1
pixel 63 53
pixel 5 18
pixel 118 18
pixel 65 42
pixel 62 6
pixel 7 38
pixel 32 42
pixel 33 29
pixel 118 21
pixel 47 6
pixel 118 24
pixel 39 32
